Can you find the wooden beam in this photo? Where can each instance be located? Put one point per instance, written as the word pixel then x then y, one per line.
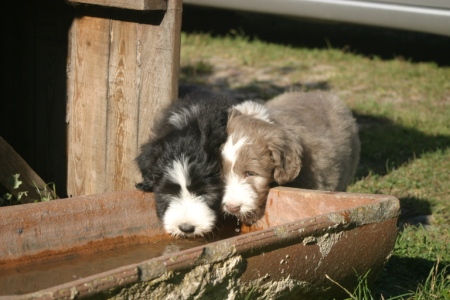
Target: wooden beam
pixel 143 5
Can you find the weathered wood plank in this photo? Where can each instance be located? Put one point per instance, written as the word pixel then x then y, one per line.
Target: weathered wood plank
pixel 159 58
pixel 128 4
pixel 121 75
pixel 122 107
pixel 87 104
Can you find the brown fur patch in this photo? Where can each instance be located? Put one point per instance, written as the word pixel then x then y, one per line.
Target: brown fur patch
pixel 312 142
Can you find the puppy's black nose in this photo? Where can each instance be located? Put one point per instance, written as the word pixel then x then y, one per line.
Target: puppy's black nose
pixel 187 228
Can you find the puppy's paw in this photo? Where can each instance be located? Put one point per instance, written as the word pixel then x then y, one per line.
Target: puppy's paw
pixel 249 221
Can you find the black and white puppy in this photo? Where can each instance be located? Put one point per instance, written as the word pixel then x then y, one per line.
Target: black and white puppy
pixel 181 163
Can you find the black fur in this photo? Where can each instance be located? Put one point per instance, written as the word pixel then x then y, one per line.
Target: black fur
pixel 198 139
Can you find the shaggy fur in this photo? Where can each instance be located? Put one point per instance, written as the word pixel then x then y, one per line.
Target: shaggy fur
pixel 181 163
pixel 305 140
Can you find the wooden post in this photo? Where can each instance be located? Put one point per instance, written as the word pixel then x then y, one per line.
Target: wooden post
pixel 121 73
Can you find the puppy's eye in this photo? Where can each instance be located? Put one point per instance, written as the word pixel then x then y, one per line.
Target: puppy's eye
pixel 249 173
pixel 169 188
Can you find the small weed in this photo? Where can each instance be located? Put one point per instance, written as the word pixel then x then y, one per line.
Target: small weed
pixel 362 290
pixel 46 193
pixel 436 286
pixel 249 295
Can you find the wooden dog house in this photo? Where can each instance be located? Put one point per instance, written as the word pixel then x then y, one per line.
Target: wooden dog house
pixel 82 82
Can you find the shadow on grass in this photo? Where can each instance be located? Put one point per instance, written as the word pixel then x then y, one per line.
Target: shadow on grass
pixel 414 211
pixel 363 40
pixel 202 74
pixel 402 275
pixel 386 145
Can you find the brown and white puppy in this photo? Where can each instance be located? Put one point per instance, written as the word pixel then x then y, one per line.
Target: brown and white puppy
pixel 305 140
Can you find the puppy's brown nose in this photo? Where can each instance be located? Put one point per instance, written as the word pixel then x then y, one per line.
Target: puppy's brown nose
pixel 187 228
pixel 232 208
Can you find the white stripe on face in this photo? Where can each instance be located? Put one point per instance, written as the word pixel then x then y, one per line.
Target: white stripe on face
pixel 230 150
pixel 186 207
pixel 238 192
pixel 179 174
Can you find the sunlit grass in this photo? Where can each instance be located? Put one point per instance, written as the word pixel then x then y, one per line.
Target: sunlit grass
pixel 403 109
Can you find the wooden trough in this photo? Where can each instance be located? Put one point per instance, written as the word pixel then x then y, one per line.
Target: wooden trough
pixel 112 246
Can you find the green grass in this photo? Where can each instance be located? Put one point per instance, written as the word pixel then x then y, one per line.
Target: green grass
pixel 435 286
pixel 403 109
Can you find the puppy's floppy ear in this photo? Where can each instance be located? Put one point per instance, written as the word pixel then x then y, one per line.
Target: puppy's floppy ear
pixel 147 163
pixel 286 155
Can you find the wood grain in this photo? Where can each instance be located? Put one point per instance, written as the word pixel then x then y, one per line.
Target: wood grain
pixel 159 58
pixel 127 4
pixel 121 74
pixel 87 101
pixel 122 107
